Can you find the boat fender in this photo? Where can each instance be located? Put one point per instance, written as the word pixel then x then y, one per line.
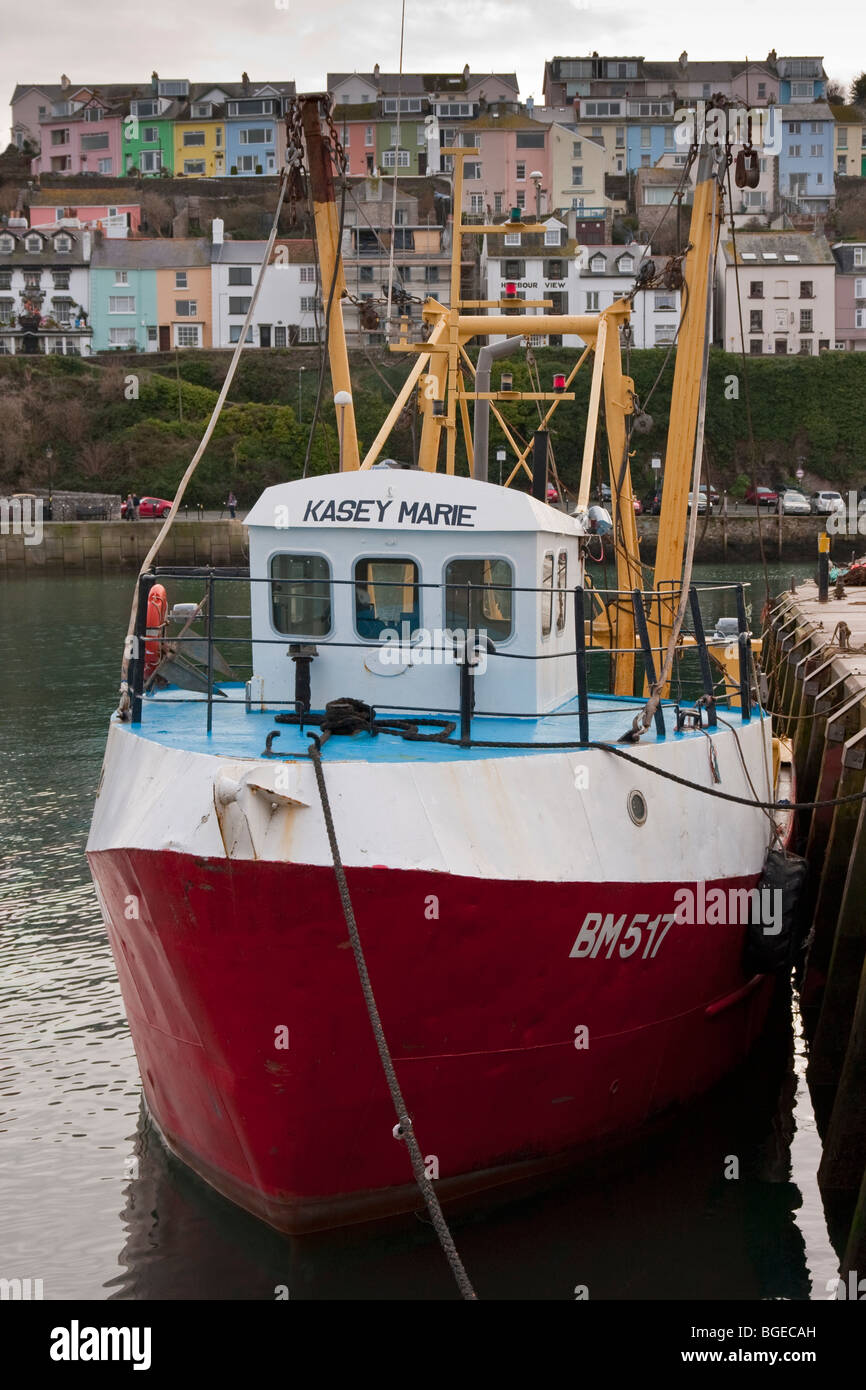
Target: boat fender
pixel 774 941
pixel 227 790
pixel 157 612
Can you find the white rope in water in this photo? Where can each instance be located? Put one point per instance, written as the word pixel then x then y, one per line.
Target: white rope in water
pixel 125 701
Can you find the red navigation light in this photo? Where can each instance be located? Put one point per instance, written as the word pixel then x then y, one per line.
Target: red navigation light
pixel 559 381
pixel 510 289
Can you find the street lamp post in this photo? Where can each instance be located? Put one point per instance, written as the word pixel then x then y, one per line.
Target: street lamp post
pixel 341 400
pixel 49 458
pixel 500 459
pixel 536 177
pixel 300 403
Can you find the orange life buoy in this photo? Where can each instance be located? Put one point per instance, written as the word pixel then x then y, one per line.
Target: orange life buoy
pixel 157 611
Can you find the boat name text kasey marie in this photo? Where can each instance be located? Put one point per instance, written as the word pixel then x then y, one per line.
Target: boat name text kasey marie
pixel 366 510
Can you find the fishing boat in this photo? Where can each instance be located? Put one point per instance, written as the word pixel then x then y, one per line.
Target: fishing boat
pixel 431 726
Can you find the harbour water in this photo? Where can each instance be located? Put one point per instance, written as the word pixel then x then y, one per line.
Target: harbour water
pixel 91 1204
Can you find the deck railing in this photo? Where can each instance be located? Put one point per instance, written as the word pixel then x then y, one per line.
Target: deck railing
pixel 648 609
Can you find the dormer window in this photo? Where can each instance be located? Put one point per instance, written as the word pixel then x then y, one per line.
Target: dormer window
pixel 94 113
pixel 598 265
pixel 7 243
pixel 33 243
pixel 552 236
pixel 626 264
pixel 62 243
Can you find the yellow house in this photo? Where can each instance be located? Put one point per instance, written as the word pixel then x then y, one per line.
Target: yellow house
pixel 200 148
pixel 850 141
pixel 183 292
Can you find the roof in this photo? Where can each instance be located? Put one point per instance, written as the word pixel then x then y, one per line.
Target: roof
pixel 807 111
pixel 811 249
pixel 848 115
pixel 843 252
pixel 151 253
pixel 507 121
pixel 422 83
pixel 294 251
pixel 48 255
pixel 400 494
pixel 612 254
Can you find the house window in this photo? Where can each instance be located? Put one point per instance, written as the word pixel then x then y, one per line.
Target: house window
pixel 620 137
pixel 7 309
pixel 592 301
pixel 665 333
pixel 150 135
pixel 238 306
pixel 401 157
pixel 242 275
pixel 279 336
pixel 6 280
pixel 62 309
pixel 512 239
pixel 151 161
pixel 301 595
pixel 121 277
pixel 180 280
pixel 665 302
pixel 521 198
pixel 794 151
pixel 860 318
pixel 103 166
pixel 860 255
pixel 431 275
pixel 7 243
pixel 471 170
pixel 806 289
pixel 644 161
pixel 60 137
pixel 490 598
pixel 95 142
pixel 553 237
pixel 756 289
pixel 626 264
pixel 515 270
pixel 34 243
pixel 32 279
pixel 596 133
pixel 756 347
pixel 193 137
pixel 187 335
pixel 308 274
pixel 256 135
pixel 235 333
pixel 62 244
pixel 94 113
pixel 598 265
pixel 121 337
pixel 121 303
pixel 817 151
pixel 310 303
pixel 762 91
pixel 756 321
pixel 193 166
pixel 368 135
pixel 308 335
pixel 842 138
pixel 805 347
pixel 781 347
pixel 646 137
pixel 520 170
pixel 185 308
pixel 576 175
pixel 805 320
pixel 386 596
pixel 200 110
pixel 859 288
pixel 476 202
pixel 800 90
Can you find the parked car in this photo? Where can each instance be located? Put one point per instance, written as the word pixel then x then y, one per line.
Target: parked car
pixel 712 495
pixel 825 501
pixel 653 503
pixel 762 497
pixel 795 503
pixel 605 494
pixel 701 502
pixel 156 507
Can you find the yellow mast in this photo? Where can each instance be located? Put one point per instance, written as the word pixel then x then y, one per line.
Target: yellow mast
pixel 330 265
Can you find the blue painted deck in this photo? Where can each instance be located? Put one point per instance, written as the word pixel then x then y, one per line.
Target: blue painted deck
pixel 176 719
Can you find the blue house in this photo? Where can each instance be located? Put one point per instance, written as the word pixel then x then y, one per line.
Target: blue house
pixel 806 158
pixel 647 141
pixel 251 133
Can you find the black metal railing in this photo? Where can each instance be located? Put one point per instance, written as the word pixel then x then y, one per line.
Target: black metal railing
pixel 692 677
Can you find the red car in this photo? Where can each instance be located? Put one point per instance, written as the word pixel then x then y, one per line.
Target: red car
pixel 762 497
pixel 149 507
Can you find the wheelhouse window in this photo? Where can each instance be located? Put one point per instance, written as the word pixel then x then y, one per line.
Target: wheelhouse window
pixel 561 590
pixel 487 605
pixel 386 596
pixel 547 594
pixel 301 595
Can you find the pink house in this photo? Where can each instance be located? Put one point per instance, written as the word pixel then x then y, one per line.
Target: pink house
pixel 80 136
pixel 511 149
pixel 359 141
pixel 114 219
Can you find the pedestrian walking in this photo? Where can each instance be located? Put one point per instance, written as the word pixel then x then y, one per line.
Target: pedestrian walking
pixel 232 503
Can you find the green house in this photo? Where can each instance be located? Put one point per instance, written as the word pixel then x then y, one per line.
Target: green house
pixel 147 144
pixel 411 158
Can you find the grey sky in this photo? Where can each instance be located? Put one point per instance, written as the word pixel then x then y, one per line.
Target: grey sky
pixel 103 40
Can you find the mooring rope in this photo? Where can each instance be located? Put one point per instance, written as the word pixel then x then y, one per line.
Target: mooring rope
pixel 403 1129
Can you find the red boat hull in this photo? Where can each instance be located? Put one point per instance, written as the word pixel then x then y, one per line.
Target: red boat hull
pixel 484 990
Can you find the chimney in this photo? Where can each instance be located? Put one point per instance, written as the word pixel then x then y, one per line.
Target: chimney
pixel 684 60
pixel 376 70
pixel 466 73
pixel 85 244
pixel 154 82
pixel 64 81
pixel 245 81
pixel 216 231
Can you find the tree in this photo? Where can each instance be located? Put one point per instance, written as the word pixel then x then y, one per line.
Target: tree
pixel 835 93
pixel 858 90
pixel 158 213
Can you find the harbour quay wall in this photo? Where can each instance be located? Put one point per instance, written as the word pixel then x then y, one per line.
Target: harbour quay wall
pixel 102 546
pixel 722 538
